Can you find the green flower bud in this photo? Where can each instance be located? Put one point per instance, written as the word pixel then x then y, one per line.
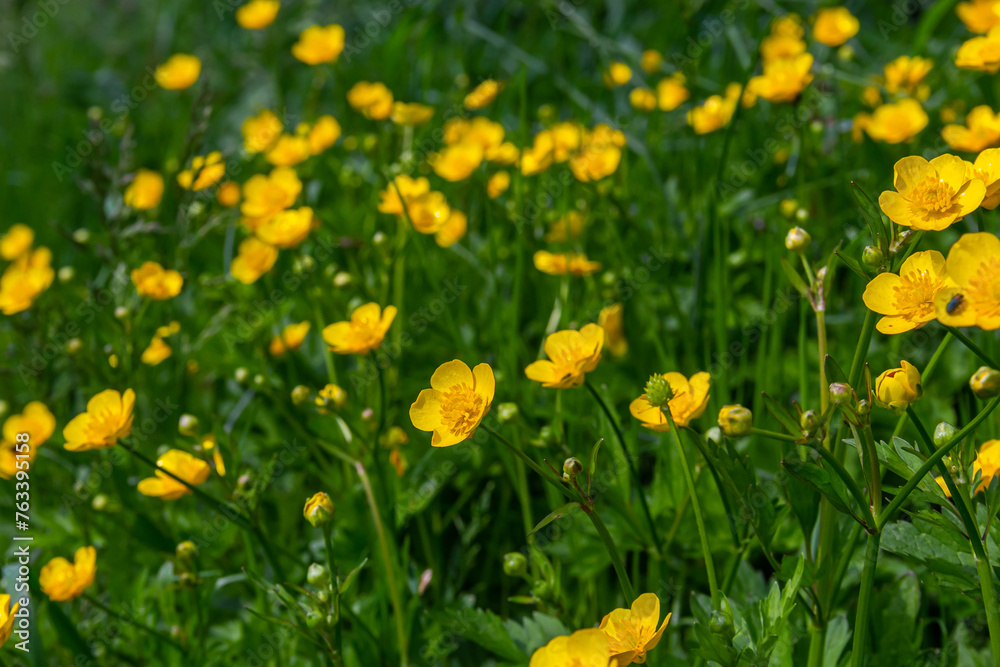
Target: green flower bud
pixel 318 575
pixel 944 433
pixel 809 421
pixel 319 509
pixel 872 256
pixel 985 383
pixel 864 407
pixel 315 619
pixel 506 412
pixel 571 468
pixel 515 564
pixel 658 391
pixel 187 550
pixel 100 502
pixel 797 239
pixel 541 589
pixel 300 394
pixel 188 425
pixel 841 393
pixel 735 421
pixel 241 374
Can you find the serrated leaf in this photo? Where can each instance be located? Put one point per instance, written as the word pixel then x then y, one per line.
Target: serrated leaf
pixel 484 628
pixel 825 482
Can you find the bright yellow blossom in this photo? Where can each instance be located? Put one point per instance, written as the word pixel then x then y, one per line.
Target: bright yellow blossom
pixel 907 299
pixel 61 580
pixel 319 44
pixel 455 404
pixel 571 355
pixel 981 131
pixel 17 241
pixel 363 332
pixel 38 422
pixel 457 161
pixel 932 195
pixel 318 509
pixel 618 74
pixel 253 259
pixel 257 14
pixel 978 15
pixel 981 54
pixel 896 388
pixel 974 266
pixel 411 113
pixel 905 75
pixel 288 151
pixel 156 352
pixel 497 184
pixel 583 648
pixel 405 186
pixel 987 465
pixel 715 112
pixel 650 61
pixel 611 319
pixel 7 618
pixel 108 418
pixel 24 279
pixel 894 123
pixel 154 282
pixel 266 196
pixel 633 632
pixel 671 92
pixel 179 72
pixel 374 100
pixel 483 94
pixel 642 99
pixel 145 190
pixel 559 264
pixel 453 229
pixel 290 338
pixel 261 131
pixel 428 212
pixel 834 25
pixel 323 134
pixel 783 80
pixel 189 468
pixel 205 171
pixel 987 169
pixel 690 398
pixel 287 229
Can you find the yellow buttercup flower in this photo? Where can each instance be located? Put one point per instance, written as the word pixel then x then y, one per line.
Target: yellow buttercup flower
pixel 457 161
pixel 266 196
pixel 333 395
pixel 618 74
pixel 642 99
pixel 560 264
pixel 261 131
pixel 157 352
pixel 987 463
pixel 189 468
pixel 205 171
pixel 287 229
pixel 145 190
pixel 257 14
pixel 254 258
pixel 409 188
pixel 688 401
pixel 288 151
pixel 17 241
pixel 480 130
pixel 633 632
pixel 905 75
pixel 38 422
pixel 428 212
pixel 323 134
pixel 411 113
pixel 483 94
pixel 671 92
pixel 987 169
pixel 497 184
pixel 612 320
pixel 25 279
pixel 455 404
pixel 715 112
pixel 374 100
pixel 290 338
pixel 583 648
pixel 896 388
pixel 453 229
pixel 981 130
pixel 319 44
pixel 981 54
pixel 978 15
pixel 783 80
pixel 228 194
pixel 7 618
pixel 650 61
pixel 179 72
pixel 907 300
pixel 571 355
pixel 363 332
pixel 894 123
pixel 974 266
pixel 61 580
pixel 168 329
pixel 781 47
pixel 154 282
pixel 932 195
pixel 567 227
pixel 834 26
pixel 108 418
pixel 319 509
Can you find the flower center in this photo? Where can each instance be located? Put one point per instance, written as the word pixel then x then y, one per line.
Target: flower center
pixel 914 296
pixel 933 194
pixel 983 291
pixel 461 408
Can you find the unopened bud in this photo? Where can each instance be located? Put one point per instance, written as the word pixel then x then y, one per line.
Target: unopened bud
pixel 319 509
pixel 985 383
pixel 121 312
pixel 571 468
pixel 797 239
pixel 187 425
pixel 841 393
pixel 809 421
pixel 318 575
pixel 300 394
pixel 187 550
pixel 944 433
pixel 515 564
pixel 872 256
pixel 506 412
pixel 315 619
pixel 735 421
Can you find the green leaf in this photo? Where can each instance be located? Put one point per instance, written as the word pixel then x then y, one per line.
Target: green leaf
pixel 351 576
pixel 853 265
pixel 593 462
pixel 535 631
pixel 838 634
pixel 825 482
pixel 66 629
pixel 555 514
pixel 873 216
pixel 484 628
pixel 834 373
pixel 793 277
pixel 895 621
pixel 790 423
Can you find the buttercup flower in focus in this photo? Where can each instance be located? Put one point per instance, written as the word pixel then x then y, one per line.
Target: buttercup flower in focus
pixel 455 404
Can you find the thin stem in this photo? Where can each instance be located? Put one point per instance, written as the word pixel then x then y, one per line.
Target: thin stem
pixel 978 351
pixel 631 466
pixel 862 619
pixel 331 565
pixel 772 434
pixel 861 351
pixel 531 464
pixel 985 571
pixel 706 548
pixel 135 624
pixel 851 485
pixel 616 558
pixel 824 386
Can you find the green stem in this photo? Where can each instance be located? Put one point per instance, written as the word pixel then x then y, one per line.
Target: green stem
pixel 616 558
pixel 531 464
pixel 772 434
pixel 861 351
pixel 135 624
pixel 817 645
pixel 331 565
pixel 990 602
pixel 631 466
pixel 862 619
pixel 978 351
pixel 706 548
pixel 928 370
pixel 849 482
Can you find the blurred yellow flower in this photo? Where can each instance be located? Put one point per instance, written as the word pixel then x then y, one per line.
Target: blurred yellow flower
pixel 562 263
pixel 254 258
pixel 583 648
pixel 266 196
pixel 319 44
pixel 428 212
pixel 987 169
pixel 287 229
pixel 932 195
pixel 455 404
pixel 168 330
pixel 894 123
pixel 978 15
pixel 834 25
pixel 987 463
pixel 906 73
pixel 671 92
pixel 618 74
pixel 633 632
pixel 715 112
pixel 145 190
pixel 318 509
pixel 690 398
pixel 505 153
pixel 108 418
pixel 974 265
pixel 24 279
pixel 783 80
pixel 205 171
pixel 483 94
pixel 642 99
pixel 189 468
pixel 408 187
pixel 650 61
pixel 228 194
pixel 981 131
pixel 261 131
pixel 17 241
pixel 457 161
pixel 453 229
pixel 599 155
pixel 374 100
pixel 332 394
pixel 179 72
pixel 981 54
pixel 611 319
pixel 411 113
pixel 157 352
pixel 896 388
pixel 290 338
pixel 497 184
pixel 61 580
pixel 907 299
pixel 571 355
pixel 38 422
pixel 154 282
pixel 7 618
pixel 479 130
pixel 323 134
pixel 288 151
pixel 257 14
pixel 363 332
pixel 565 228
pixel 784 40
